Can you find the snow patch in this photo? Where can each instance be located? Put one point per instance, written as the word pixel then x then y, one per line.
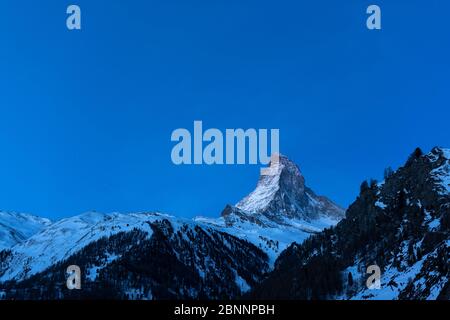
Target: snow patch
pixel 242 284
pixel 380 204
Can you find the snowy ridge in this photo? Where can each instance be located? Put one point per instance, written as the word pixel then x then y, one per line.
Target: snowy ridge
pixel 17 227
pixel 67 236
pixel 197 260
pixel 442 173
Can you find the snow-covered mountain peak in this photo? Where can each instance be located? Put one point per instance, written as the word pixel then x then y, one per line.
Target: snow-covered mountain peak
pixel 287 176
pixel 281 210
pixel 285 195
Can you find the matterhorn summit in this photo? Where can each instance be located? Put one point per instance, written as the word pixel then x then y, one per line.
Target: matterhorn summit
pixel 281 210
pixel 284 195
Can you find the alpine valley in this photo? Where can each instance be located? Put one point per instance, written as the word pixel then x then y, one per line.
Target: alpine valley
pixel 282 241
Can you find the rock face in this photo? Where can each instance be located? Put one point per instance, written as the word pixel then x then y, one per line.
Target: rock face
pixel 401 225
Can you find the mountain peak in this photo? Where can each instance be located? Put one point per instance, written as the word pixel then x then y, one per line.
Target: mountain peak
pixel 285 195
pixel 285 175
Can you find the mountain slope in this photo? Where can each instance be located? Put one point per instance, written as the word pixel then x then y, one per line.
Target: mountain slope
pixel 163 259
pixel 17 227
pixel 401 225
pixel 63 238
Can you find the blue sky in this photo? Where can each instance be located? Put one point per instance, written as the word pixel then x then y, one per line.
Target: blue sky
pixel 86 116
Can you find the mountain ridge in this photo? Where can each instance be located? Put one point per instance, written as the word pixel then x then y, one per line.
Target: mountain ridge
pixel 401 225
pixel 17 227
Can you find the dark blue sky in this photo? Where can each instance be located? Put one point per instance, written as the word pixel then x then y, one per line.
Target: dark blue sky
pixel 86 117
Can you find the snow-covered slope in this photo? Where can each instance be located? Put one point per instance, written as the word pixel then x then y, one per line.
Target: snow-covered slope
pixel 442 173
pixel 163 258
pixel 267 235
pixel 67 236
pixel 414 271
pixel 17 227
